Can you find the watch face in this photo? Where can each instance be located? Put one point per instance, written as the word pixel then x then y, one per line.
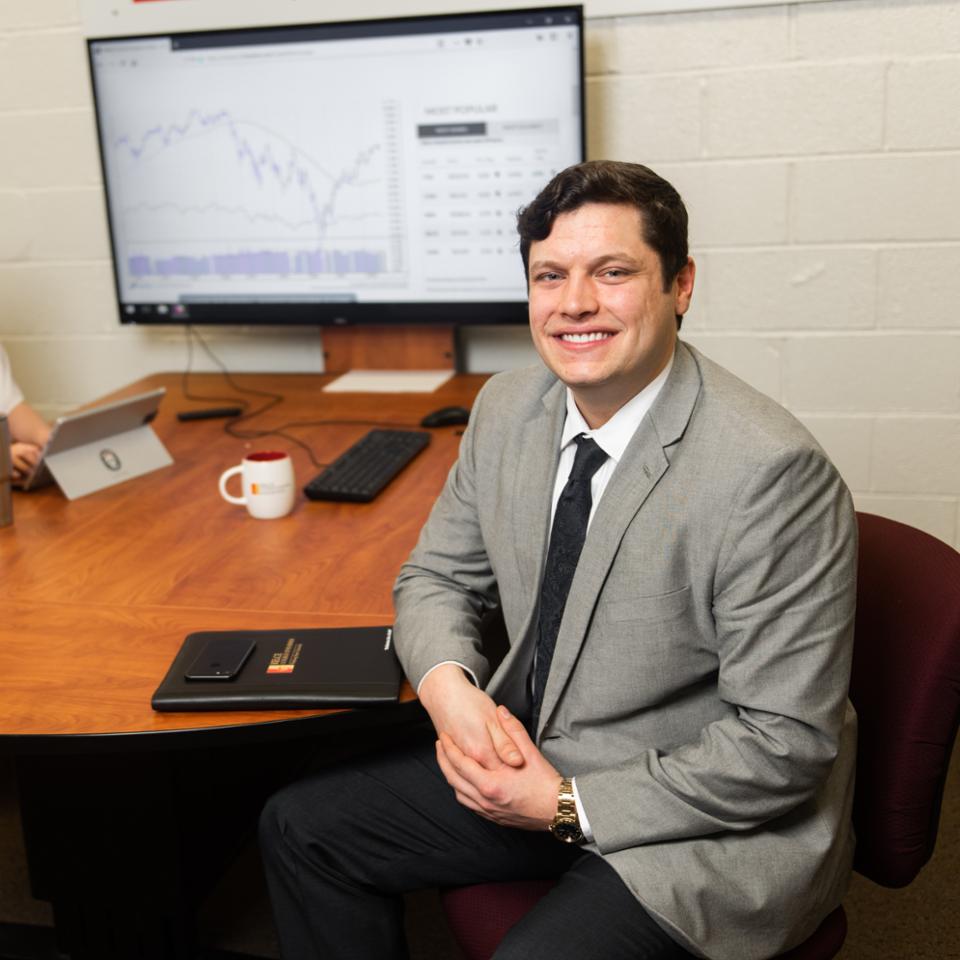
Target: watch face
pixel 567 831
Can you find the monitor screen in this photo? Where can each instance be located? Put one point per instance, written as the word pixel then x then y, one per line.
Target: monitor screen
pixel 334 173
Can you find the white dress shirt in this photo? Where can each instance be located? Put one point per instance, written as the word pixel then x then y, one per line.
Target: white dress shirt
pixel 613 438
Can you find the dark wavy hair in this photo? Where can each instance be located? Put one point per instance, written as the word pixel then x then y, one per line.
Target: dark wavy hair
pixel 663 217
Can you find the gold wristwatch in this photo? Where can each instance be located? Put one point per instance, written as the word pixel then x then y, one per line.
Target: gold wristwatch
pixel 566 824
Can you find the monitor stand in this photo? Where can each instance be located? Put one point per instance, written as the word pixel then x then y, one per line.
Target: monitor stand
pixel 426 347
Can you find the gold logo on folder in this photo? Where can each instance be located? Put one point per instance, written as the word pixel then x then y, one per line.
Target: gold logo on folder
pixel 285 660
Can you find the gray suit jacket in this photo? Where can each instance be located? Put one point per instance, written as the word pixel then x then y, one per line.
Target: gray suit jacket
pixel 698 689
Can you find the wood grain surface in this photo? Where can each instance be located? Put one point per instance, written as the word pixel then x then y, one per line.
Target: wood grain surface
pixel 98 593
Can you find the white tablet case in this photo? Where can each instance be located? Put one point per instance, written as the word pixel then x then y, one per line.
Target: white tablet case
pixel 106 445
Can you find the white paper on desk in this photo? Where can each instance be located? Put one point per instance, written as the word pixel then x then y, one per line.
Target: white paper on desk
pixel 389 381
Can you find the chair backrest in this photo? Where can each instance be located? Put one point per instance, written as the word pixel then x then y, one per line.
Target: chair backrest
pixel 905 686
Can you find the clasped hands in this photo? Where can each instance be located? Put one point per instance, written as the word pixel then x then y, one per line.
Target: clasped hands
pixel 486 754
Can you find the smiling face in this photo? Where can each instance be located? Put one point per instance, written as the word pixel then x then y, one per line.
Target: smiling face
pixel 600 317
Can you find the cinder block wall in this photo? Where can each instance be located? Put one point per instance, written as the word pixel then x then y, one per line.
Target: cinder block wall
pixel 817 146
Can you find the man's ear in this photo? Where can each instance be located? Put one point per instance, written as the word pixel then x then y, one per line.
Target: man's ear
pixel 684 286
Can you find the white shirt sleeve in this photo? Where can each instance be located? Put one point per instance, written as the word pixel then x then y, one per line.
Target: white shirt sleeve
pixel 582 814
pixel 466 670
pixel 10 395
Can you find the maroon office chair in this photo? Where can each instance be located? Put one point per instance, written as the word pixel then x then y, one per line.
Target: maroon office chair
pixel 905 686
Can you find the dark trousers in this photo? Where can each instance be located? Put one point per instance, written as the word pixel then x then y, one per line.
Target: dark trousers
pixel 342 846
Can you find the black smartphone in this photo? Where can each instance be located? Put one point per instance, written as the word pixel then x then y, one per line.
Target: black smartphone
pixel 221 658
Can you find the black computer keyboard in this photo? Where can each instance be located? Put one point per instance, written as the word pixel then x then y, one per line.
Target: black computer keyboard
pixel 368 466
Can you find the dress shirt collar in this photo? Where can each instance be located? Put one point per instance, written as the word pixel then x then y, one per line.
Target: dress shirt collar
pixel 614 436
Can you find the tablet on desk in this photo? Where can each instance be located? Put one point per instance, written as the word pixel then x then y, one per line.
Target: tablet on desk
pixel 101 446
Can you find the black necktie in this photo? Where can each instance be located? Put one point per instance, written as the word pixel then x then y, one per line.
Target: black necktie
pixel 566 542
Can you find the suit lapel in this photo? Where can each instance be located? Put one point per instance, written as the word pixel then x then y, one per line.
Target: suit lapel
pixel 644 463
pixel 536 466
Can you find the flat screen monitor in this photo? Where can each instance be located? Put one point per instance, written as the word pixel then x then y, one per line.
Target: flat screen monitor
pixel 362 172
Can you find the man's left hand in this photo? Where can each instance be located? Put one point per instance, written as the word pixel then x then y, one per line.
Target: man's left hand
pixel 523 797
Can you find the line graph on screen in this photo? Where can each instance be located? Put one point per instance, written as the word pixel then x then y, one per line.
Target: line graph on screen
pixel 236 195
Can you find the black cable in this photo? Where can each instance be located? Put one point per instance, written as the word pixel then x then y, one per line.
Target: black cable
pixel 274 399
pixel 185 379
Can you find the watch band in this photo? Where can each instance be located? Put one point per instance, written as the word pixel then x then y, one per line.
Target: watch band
pixel 566 824
pixel 567 799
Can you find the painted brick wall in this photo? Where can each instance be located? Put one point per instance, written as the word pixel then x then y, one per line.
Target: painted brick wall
pixel 817 146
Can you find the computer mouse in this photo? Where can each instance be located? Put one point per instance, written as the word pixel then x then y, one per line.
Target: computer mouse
pixel 446 417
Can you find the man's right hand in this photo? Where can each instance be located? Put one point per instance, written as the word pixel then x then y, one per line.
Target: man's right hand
pixel 468 716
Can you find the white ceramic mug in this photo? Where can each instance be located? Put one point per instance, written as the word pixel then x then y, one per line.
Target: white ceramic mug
pixel 267 480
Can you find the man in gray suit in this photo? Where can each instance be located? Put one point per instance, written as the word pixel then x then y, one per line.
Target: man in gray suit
pixel 674 557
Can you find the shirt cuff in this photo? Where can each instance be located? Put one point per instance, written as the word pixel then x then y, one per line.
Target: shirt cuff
pixel 466 670
pixel 582 814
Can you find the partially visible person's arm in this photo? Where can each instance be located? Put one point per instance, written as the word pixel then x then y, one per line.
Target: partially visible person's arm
pixel 27 426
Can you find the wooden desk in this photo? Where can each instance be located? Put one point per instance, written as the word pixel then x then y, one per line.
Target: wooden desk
pixel 97 595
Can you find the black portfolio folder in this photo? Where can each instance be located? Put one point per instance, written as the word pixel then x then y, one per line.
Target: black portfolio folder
pixel 335 667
